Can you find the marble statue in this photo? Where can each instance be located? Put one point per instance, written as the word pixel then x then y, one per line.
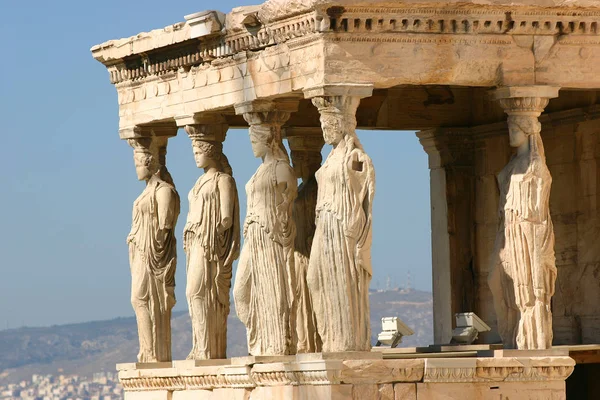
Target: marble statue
pixel 306 160
pixel 211 240
pixel 264 285
pixel 339 270
pixel 152 252
pixel 523 270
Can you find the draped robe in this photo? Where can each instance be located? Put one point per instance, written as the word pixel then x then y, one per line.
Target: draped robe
pixel 210 256
pixel 523 272
pixel 340 269
pixel 153 258
pixel 264 286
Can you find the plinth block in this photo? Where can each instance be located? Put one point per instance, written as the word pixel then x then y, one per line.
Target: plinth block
pixel 327 377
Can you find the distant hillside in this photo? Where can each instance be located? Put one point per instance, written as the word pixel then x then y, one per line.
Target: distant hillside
pixel 97 346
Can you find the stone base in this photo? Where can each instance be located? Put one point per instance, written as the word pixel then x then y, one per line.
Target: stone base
pixel 350 376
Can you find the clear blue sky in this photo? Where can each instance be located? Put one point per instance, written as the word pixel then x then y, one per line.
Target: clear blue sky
pixel 68 183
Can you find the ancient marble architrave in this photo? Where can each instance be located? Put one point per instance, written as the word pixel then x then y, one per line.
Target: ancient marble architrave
pixel 153 249
pixel 305 147
pixel 295 45
pixel 339 270
pixel 523 270
pixel 211 239
pixel 264 290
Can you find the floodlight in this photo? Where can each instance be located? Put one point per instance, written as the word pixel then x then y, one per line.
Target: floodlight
pixel 392 330
pixel 468 327
pixel 205 23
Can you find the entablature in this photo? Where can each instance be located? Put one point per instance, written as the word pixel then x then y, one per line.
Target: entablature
pixel 167 73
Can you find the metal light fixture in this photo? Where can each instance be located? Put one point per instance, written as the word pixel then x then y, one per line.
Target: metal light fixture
pixel 392 330
pixel 468 327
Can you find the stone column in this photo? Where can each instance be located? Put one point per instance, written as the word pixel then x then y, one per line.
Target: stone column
pixel 152 244
pixel 340 270
pixel 451 164
pixel 211 237
pixel 265 286
pixel 305 146
pixel 523 266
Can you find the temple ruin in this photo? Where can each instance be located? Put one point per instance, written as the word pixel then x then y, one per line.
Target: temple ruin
pixel 505 99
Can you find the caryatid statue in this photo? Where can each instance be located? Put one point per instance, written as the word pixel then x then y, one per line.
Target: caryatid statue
pixel 523 272
pixel 305 147
pixel 264 285
pixel 153 251
pixel 339 270
pixel 211 240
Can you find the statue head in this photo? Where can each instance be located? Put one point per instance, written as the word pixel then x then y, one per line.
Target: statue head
pixel 145 156
pixel 266 138
pixel 261 138
pixel 338 118
pixel 207 152
pixel 520 127
pixel 332 123
pixel 207 143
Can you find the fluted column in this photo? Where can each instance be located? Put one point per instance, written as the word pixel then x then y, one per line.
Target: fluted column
pixel 211 237
pixel 152 244
pixel 339 270
pixel 305 148
pixel 523 270
pixel 265 286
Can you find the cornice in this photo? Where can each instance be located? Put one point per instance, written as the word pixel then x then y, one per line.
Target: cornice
pixel 492 25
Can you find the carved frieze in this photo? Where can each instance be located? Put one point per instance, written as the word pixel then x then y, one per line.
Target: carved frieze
pixel 353 372
pixel 561 369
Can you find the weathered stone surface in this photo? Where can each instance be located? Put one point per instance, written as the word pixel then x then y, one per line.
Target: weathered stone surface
pixel 153 250
pixel 194 395
pixel 517 391
pixel 477 44
pixel 523 266
pixel 213 219
pixel 150 395
pixel 405 391
pixel 264 290
pixel 339 269
pixel 386 392
pixel 305 151
pixel 360 392
pixel 382 371
pixel 331 379
pixel 430 66
pixel 231 394
pixel 273 9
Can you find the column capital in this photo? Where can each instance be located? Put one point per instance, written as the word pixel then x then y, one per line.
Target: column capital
pixel 447 146
pixel 210 118
pixel 162 129
pixel 305 139
pixel 525 100
pixel 288 105
pixel 267 112
pixel 205 126
pixel 359 90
